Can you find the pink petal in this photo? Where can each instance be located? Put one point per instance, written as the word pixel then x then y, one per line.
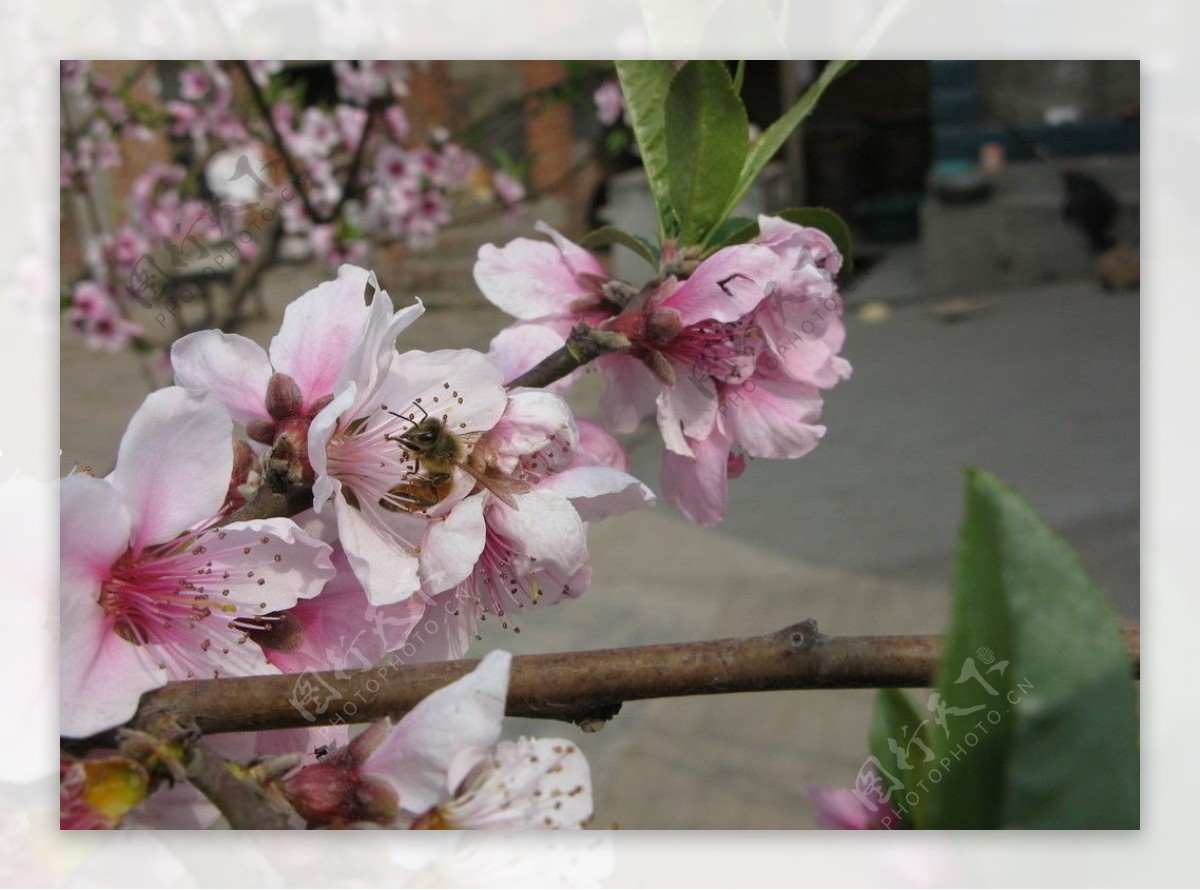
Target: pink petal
pixel 451 546
pixel 599 492
pixel 727 285
pixel 94 530
pixel 597 448
pixel 699 485
pixel 773 418
pixel 691 402
pixel 806 357
pixel 101 675
pixel 416 754
pixel 579 259
pixel 839 809
pixel 174 464
pixel 532 279
pixel 319 331
pixel 630 394
pixel 233 368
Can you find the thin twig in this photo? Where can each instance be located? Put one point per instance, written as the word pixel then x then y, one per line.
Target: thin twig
pixel 582 687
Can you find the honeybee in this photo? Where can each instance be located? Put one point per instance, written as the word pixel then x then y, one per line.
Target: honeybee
pixel 435 452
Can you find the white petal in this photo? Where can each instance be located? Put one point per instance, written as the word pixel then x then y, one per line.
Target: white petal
pixel 599 492
pixel 233 368
pixel 453 545
pixel 529 783
pixel 440 380
pixel 417 753
pixel 388 573
pixel 546 532
pixel 271 563
pixel 174 463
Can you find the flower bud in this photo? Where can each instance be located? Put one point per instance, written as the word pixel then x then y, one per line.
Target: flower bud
pixel 335 794
pixel 98 793
pixel 284 398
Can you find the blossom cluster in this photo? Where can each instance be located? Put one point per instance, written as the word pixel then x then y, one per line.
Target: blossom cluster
pixel 438 497
pixel 731 357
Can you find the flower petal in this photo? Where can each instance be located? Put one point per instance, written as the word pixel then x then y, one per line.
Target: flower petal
pixel 460 385
pixel 101 675
pixel 319 331
pixel 174 464
pixel 416 755
pixel 451 546
pixel 630 394
pixel 599 492
pixel 699 485
pixel 532 419
pixel 545 532
pixel 532 279
pixel 387 572
pixel 233 368
pixel 271 563
pixel 521 346
pixel 94 530
pixel 774 418
pixel 727 285
pixel 529 783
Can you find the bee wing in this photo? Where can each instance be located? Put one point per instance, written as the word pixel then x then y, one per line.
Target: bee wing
pixel 502 487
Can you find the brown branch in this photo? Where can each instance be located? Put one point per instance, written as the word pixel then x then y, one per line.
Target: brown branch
pixel 583 345
pixel 242 801
pixel 581 687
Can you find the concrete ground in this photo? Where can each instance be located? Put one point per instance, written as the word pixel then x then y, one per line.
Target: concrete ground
pixel 1042 389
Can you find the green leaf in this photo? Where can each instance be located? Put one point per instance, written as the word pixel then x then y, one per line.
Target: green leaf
pixel 739 76
pixel 606 235
pixel 735 230
pixel 900 741
pixel 828 222
pixel 775 135
pixel 644 85
pixel 707 132
pixel 1050 740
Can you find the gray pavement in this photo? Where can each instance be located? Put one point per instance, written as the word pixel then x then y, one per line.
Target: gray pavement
pixel 1042 390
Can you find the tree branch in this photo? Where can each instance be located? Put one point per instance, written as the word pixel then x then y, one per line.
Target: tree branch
pixel 581 687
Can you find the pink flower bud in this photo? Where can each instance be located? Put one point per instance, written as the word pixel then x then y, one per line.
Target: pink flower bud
pixel 284 398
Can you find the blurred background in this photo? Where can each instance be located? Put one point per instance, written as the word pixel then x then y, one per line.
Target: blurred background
pixel 993 321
